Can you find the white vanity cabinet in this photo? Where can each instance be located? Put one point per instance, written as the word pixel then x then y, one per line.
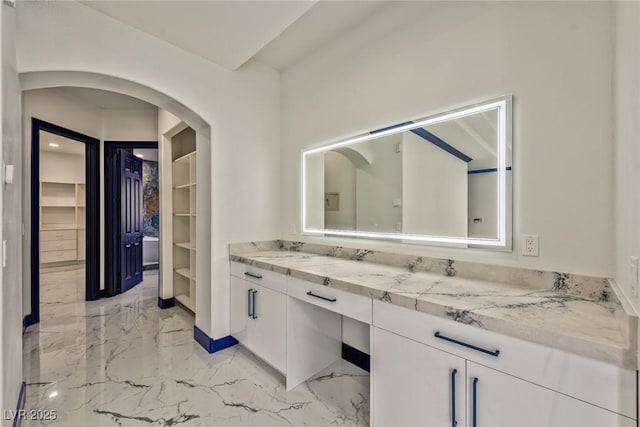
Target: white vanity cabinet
pixel 414 384
pixel 505 401
pixel 258 313
pixel 518 383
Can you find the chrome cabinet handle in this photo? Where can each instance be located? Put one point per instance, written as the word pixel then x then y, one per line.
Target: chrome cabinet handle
pixel 254 315
pixel 127 246
pixel 474 416
pixel 454 422
pixel 494 353
pixel 311 294
pixel 249 314
pixel 255 276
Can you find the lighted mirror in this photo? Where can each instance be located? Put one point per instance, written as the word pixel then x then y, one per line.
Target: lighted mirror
pixel 445 179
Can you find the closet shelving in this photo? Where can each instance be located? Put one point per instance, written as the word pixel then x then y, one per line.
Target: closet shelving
pixel 62 221
pixel 184 218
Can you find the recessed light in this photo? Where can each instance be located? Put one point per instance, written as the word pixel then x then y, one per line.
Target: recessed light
pixel 139 155
pixel 54 145
pixel 53 394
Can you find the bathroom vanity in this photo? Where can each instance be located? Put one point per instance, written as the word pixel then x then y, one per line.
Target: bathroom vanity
pixel 452 343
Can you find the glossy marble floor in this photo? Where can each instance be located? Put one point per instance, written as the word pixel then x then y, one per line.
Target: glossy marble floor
pixel 124 362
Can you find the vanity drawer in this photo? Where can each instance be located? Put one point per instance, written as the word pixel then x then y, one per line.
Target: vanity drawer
pixel 237 269
pixel 338 301
pixel 260 276
pixel 46 235
pixel 57 256
pixel 57 245
pixel 555 369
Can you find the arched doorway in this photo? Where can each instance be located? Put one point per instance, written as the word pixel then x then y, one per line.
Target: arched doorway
pixel 57 79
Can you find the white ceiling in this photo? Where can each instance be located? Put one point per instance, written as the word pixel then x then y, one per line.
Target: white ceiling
pixel 66 145
pixel 105 99
pixel 324 22
pixel 226 32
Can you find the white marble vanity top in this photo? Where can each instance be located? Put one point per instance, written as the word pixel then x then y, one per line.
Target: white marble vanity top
pixel 573 313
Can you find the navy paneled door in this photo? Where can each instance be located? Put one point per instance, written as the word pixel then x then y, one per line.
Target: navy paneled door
pixel 131 220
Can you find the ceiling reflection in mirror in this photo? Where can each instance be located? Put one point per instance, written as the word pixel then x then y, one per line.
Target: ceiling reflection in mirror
pixel 444 179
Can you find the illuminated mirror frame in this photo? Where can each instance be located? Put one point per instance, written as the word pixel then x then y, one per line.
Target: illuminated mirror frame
pixel 503 241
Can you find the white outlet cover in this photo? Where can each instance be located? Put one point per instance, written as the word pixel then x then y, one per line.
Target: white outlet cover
pixel 633 275
pixel 530 245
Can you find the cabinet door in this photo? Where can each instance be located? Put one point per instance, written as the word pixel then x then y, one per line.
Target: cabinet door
pixel 267 326
pixel 239 309
pixel 414 385
pixel 504 400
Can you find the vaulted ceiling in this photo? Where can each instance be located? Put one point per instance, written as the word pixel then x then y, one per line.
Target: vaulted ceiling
pixel 230 32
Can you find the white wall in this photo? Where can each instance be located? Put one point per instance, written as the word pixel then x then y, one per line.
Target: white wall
pixel 242 108
pixel 378 184
pixel 626 84
pixel 340 177
pixel 10 292
pixel 417 58
pixel 434 189
pixel 130 125
pixel 62 167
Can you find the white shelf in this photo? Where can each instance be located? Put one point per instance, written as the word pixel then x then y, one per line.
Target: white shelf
pixel 185 158
pixel 185 245
pixel 185 272
pixel 185 300
pixel 191 184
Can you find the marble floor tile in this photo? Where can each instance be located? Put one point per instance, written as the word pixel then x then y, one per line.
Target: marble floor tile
pixel 122 361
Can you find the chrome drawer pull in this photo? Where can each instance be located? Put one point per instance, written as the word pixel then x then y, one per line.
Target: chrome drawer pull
pixel 255 276
pixel 311 294
pixel 494 353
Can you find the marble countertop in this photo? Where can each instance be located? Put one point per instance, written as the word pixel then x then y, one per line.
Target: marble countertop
pixel 593 324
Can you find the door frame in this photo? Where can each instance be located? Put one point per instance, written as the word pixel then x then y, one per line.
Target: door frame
pixel 92 197
pixel 112 257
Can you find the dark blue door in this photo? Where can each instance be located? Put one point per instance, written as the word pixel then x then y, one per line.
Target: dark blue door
pixel 131 220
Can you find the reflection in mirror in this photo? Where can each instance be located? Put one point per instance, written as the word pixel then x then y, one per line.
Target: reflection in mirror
pixel 439 179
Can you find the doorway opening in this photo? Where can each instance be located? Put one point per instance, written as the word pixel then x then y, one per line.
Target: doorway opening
pixel 64 208
pixel 132 222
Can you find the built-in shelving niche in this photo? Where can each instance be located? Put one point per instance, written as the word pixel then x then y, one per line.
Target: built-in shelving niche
pixel 62 221
pixel 183 154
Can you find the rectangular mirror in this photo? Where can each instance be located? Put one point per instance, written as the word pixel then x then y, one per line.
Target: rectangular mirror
pixel 445 179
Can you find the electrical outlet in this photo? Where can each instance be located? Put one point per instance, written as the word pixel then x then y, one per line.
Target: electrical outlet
pixel 530 245
pixel 293 228
pixel 633 276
